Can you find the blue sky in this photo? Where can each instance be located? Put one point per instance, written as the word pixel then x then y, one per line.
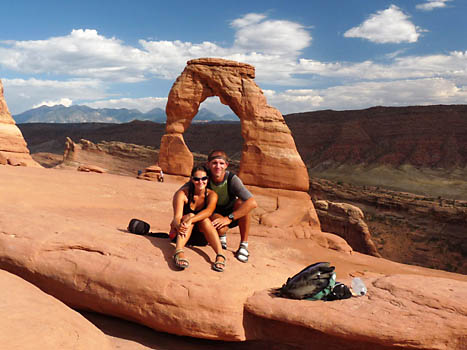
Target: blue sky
pixel 309 54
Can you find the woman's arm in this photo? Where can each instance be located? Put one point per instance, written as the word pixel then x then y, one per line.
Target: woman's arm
pixel 179 199
pixel 207 212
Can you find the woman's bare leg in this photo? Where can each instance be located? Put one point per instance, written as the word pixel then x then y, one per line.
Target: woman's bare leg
pixel 210 233
pixel 181 242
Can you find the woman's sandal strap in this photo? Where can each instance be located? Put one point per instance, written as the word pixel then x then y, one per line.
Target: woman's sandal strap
pixel 178 251
pixel 222 263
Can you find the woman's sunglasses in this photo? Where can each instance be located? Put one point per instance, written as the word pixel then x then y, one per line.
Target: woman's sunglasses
pixel 204 178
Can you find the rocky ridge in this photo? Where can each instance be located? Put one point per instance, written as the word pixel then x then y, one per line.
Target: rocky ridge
pixel 423 136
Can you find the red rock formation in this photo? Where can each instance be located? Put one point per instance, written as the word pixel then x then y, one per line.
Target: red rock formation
pixel 347 221
pixel 405 227
pixel 13 147
pixel 113 157
pixel 269 155
pixel 32 319
pixel 91 169
pixel 399 312
pixel 88 261
pixel 152 173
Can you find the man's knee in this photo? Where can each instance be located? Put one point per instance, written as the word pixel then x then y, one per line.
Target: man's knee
pixel 238 202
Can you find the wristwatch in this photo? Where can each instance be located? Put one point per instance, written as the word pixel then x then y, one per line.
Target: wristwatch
pixel 231 216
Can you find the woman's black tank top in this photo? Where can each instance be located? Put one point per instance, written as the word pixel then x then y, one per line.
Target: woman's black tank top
pixel 187 209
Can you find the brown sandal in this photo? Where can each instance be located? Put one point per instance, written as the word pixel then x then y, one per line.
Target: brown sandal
pixel 215 266
pixel 181 263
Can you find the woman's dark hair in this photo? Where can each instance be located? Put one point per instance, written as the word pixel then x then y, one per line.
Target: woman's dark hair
pixel 191 186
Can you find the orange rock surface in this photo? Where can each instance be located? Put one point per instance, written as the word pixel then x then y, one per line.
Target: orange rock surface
pixel 33 320
pixel 269 155
pixel 347 221
pixel 65 231
pixel 13 147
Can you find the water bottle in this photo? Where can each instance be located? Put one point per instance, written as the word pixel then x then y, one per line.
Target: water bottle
pixel 358 287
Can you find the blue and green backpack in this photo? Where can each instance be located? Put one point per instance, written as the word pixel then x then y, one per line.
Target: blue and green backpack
pixel 315 282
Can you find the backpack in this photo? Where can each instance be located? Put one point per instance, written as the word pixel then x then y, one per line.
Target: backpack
pixel 315 282
pixel 138 227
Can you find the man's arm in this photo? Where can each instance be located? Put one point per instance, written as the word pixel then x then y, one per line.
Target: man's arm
pixel 244 208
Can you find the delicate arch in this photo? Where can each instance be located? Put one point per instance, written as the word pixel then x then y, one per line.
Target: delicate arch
pixel 269 155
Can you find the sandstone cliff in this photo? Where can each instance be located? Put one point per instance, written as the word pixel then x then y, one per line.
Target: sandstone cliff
pixel 423 136
pixel 13 147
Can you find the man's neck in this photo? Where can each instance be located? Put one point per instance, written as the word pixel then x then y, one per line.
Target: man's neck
pixel 219 180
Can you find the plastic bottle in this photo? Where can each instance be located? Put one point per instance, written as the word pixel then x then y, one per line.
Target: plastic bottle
pixel 358 287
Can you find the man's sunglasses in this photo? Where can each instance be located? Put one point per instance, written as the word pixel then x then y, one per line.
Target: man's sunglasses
pixel 204 178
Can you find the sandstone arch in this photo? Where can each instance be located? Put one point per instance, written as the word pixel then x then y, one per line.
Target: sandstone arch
pixel 269 155
pixel 13 147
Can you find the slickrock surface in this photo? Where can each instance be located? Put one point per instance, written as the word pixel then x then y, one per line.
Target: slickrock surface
pixel 269 155
pixel 65 231
pixel 13 147
pixel 400 311
pixel 31 319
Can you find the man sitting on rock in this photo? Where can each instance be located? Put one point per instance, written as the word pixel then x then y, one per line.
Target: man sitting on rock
pixel 234 204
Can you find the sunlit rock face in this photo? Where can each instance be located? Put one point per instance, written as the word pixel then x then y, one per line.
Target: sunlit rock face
pixel 13 148
pixel 269 155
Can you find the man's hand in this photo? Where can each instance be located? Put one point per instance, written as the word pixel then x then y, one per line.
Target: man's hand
pixel 221 222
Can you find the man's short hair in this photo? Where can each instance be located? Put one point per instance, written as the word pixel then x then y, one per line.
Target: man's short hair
pixel 218 154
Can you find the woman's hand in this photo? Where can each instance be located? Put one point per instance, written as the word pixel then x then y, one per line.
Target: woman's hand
pixel 185 223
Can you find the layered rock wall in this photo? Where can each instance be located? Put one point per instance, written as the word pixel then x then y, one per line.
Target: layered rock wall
pixel 269 155
pixel 348 222
pixel 13 147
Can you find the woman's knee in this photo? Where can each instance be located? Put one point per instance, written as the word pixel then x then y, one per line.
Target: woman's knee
pixel 205 223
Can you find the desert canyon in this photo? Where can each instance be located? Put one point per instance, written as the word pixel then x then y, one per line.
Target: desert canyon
pixel 64 245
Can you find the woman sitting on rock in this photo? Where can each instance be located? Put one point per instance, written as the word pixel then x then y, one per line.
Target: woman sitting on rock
pixel 193 205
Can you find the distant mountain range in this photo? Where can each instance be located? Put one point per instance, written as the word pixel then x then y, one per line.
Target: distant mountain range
pixel 85 114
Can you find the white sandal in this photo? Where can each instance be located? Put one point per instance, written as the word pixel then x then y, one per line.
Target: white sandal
pixel 223 240
pixel 242 253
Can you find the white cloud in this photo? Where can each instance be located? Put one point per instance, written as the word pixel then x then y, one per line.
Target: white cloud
pixel 367 94
pixel 255 33
pixel 85 53
pixel 82 53
pixel 92 62
pixel 168 58
pixel 432 4
pixel 23 94
pixel 387 26
pixel 63 101
pixel 452 66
